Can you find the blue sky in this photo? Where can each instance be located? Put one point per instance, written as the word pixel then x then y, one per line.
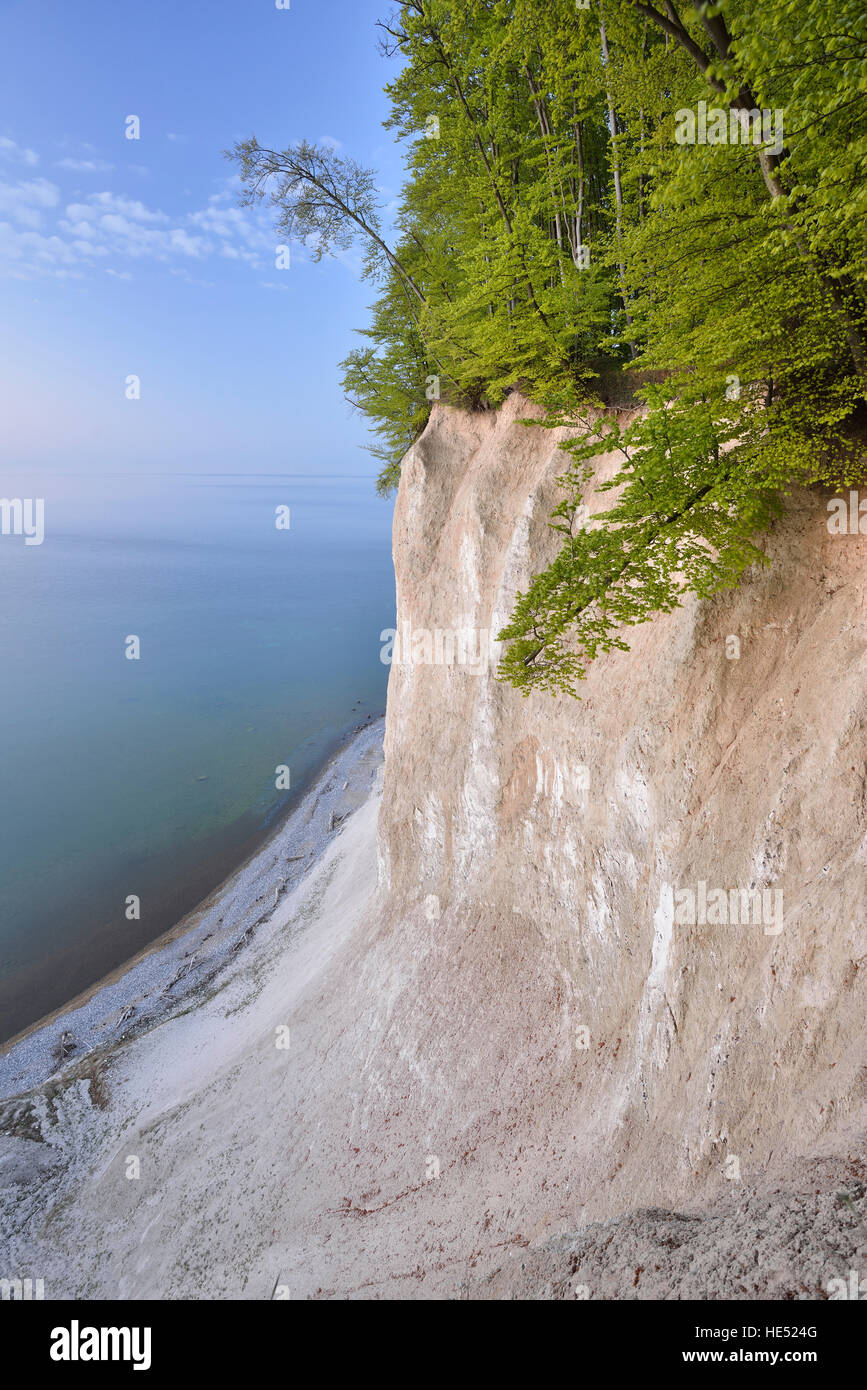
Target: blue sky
pixel 121 257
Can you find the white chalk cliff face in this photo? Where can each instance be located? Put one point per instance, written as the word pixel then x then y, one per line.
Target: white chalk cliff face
pixel 516 1007
pixel 576 1044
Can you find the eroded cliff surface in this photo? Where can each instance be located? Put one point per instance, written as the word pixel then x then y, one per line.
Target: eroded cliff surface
pixel 562 1032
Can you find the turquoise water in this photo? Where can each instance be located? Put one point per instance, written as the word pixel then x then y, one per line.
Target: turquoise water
pixel 259 648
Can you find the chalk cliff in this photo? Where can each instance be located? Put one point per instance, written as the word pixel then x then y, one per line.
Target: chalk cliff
pixel 516 1066
pixel 567 1047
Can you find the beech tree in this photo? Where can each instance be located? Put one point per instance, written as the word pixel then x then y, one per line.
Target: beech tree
pixel 557 224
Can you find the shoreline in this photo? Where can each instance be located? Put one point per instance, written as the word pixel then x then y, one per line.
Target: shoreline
pixel 142 992
pixel 177 902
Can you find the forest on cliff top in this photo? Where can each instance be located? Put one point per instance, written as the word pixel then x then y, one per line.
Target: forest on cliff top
pixel 675 188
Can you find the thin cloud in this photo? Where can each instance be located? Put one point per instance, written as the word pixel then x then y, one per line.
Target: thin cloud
pixel 99 204
pixel 28 202
pixel 10 149
pixel 114 227
pixel 86 166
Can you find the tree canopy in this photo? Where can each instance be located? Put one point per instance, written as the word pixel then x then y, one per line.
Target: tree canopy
pixel 676 187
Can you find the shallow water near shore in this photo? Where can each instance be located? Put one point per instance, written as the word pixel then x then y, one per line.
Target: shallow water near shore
pixel 224 932
pixel 156 777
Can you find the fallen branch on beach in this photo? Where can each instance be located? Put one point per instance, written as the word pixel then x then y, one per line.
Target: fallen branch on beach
pixel 184 970
pixel 64 1047
pixel 244 938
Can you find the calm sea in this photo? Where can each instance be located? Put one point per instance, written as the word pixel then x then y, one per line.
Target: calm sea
pixel 259 648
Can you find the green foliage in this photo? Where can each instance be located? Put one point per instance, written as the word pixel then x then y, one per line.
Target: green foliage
pixel 552 222
pixel 389 380
pixel 699 478
pixel 744 271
